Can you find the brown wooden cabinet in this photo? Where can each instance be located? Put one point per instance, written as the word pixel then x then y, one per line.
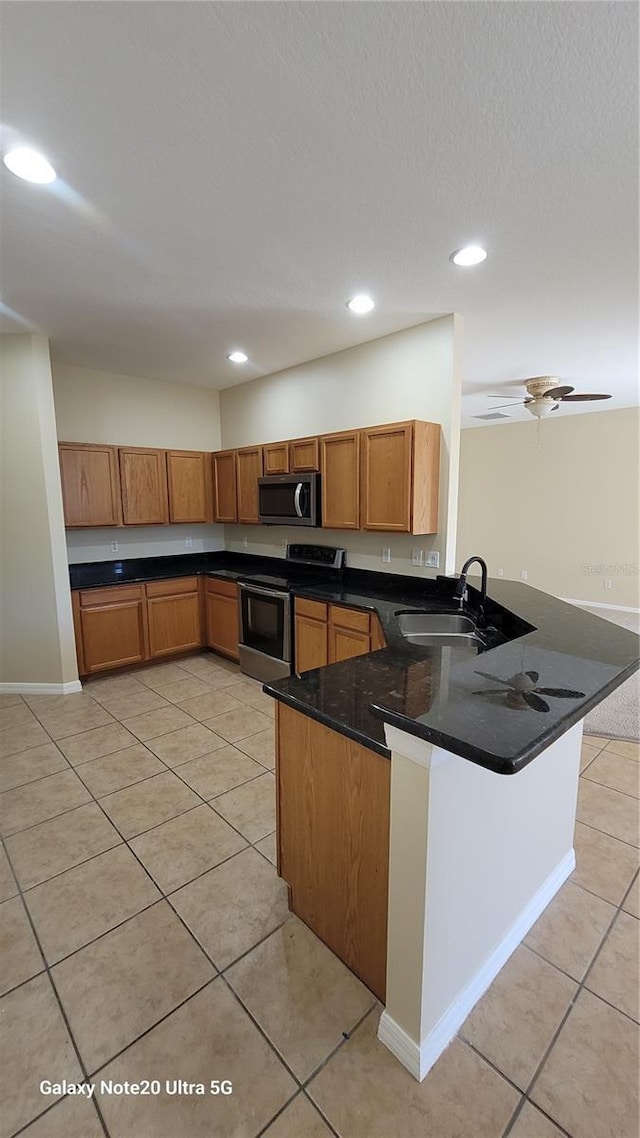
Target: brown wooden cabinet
pixel 249 469
pixel 221 601
pixel 225 504
pixel 113 627
pixel 325 634
pixel 189 482
pixel 400 474
pixel 333 800
pixel 304 455
pixel 311 635
pixel 173 616
pixel 90 485
pixel 275 458
pixel 143 477
pixel 340 466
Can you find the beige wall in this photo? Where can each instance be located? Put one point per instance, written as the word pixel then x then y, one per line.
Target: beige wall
pixel 35 604
pixel 413 374
pixel 559 500
pixel 100 407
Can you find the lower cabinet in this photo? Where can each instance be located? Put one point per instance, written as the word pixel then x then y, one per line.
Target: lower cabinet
pixel 221 601
pixel 112 624
pixel 325 634
pixel 173 615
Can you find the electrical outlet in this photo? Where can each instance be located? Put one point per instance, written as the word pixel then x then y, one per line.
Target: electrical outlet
pixel 188 541
pixel 432 558
pixel 499 572
pixel 416 557
pixel 607 583
pixel 114 547
pixel 524 573
pixel 245 542
pixel 386 554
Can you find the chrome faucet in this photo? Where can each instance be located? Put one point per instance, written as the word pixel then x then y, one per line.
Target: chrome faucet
pixel 461 592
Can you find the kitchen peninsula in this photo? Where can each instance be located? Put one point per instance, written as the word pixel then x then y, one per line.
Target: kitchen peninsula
pixel 424 873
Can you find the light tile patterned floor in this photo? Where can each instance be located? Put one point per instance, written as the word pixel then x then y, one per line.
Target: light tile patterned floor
pixel 145 935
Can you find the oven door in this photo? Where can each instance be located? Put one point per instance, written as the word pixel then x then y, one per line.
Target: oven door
pixel 265 632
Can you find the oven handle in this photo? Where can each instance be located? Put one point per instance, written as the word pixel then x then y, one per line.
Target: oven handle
pixel 296 499
pixel 276 593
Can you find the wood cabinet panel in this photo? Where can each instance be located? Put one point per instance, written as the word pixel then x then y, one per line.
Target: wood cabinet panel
pixel 143 477
pixel 170 587
pixel 386 478
pixel 354 619
pixel 340 465
pixel 249 469
pixel 90 485
pixel 317 610
pixel 333 840
pixel 425 477
pixel 304 455
pixel 114 628
pixel 189 481
pixel 225 505
pixel 174 622
pixel 378 639
pixel 275 458
pixel 222 621
pixel 221 586
pixel 344 644
pixel 312 644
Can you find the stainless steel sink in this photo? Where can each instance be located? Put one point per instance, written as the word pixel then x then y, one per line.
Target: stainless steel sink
pixel 438 629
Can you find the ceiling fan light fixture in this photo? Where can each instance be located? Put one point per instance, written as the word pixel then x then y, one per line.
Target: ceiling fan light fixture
pixel 468 256
pixel 541 406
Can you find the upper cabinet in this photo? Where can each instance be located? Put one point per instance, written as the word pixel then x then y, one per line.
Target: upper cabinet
pixel 275 458
pixel 90 485
pixel 225 504
pixel 304 456
pixel 143 476
pixel 189 480
pixel 249 470
pixel 340 466
pixel 400 466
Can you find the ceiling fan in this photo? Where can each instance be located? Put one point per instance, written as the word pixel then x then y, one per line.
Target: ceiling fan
pixel 545 393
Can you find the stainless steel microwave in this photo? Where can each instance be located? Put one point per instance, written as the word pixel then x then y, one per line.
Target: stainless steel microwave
pixel 289 500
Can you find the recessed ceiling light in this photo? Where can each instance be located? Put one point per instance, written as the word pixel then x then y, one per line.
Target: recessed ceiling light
pixel 469 255
pixel 237 357
pixel 360 304
pixel 28 164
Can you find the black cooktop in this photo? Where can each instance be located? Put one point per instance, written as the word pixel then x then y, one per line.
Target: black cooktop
pixel 290 582
pixel 304 565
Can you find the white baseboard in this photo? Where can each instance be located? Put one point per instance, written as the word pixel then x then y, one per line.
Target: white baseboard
pixel 41 689
pixel 419 1058
pixel 599 605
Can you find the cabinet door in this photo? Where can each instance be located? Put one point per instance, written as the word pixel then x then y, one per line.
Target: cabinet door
pixel 345 643
pixel 312 644
pixel 173 615
pixel 426 477
pixel 225 508
pixel 113 626
pixel 90 485
pixel 143 474
pixel 304 455
pixel 275 457
pixel 340 465
pixel 386 478
pixel 189 479
pixel 222 621
pixel 249 467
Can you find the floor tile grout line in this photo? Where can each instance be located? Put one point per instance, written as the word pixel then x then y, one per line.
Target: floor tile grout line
pixel 345 1039
pixel 607 834
pixel 47 971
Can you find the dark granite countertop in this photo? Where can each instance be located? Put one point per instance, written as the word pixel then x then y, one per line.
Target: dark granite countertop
pixel 219 563
pixel 440 694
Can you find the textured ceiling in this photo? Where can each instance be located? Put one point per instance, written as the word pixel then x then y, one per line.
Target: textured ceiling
pixel 231 173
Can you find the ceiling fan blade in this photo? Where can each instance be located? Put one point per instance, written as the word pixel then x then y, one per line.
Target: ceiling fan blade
pixel 582 398
pixel 534 701
pixel 502 395
pixel 561 693
pixel 558 392
pixel 518 403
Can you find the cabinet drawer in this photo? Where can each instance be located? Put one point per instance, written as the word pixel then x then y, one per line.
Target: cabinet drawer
pixel 222 588
pixel 353 619
pixel 111 594
pixel 315 609
pixel 170 588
